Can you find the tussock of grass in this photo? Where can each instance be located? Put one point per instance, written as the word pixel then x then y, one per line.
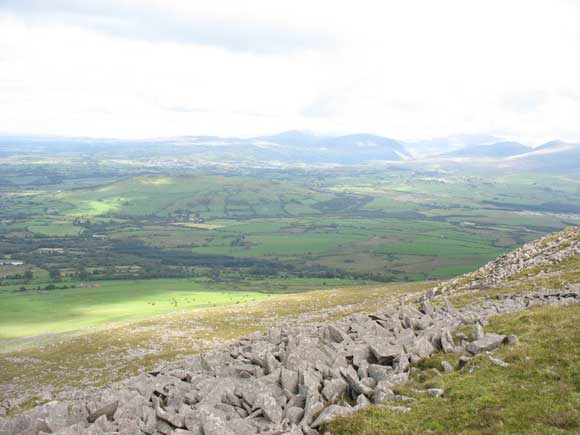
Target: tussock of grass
pixel 539 393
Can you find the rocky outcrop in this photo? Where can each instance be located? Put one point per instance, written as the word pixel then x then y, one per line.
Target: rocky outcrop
pixel 286 381
pixel 549 250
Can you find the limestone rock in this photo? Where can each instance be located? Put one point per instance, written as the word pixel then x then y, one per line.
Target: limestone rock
pixel 331 412
pixel 487 343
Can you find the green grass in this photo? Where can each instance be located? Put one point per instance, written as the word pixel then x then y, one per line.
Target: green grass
pixel 539 393
pixel 56 229
pixel 32 312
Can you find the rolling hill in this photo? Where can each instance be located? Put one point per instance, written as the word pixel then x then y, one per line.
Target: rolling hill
pixel 496 150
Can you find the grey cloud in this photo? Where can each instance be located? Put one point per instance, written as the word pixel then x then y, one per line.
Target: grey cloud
pixel 152 23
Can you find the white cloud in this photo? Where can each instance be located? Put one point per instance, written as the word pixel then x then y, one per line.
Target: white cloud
pixel 410 69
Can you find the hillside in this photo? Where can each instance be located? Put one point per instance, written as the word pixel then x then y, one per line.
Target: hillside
pixel 539 258
pixel 496 150
pixel 550 157
pixel 296 379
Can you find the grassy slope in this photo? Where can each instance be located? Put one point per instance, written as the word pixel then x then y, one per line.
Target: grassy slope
pixel 109 354
pixel 32 312
pixel 539 393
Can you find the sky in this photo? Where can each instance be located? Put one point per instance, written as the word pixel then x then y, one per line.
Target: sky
pixel 410 70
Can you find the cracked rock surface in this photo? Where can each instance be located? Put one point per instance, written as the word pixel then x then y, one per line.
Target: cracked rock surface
pixel 285 381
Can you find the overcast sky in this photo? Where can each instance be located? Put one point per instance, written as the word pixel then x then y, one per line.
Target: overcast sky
pixel 406 69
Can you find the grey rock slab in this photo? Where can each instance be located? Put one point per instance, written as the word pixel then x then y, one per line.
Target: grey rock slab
pixel 384 352
pixel 488 343
pixel 213 425
pixel 378 372
pixel 351 377
pixel 381 395
pixel 311 410
pixel 359 352
pixel 107 410
pixel 270 408
pixel 447 367
pixel 400 409
pixel 336 334
pixel 447 344
pixel 174 420
pixel 294 414
pixel 435 392
pixel 498 362
pixel 421 347
pixel 362 401
pixel 334 388
pixel 477 332
pixel 331 412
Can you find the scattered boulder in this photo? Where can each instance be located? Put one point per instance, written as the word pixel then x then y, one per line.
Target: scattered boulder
pixel 331 412
pixel 447 367
pixel 107 411
pixel 435 392
pixel 462 362
pixel 498 362
pixel 511 340
pixel 487 343
pixel 477 331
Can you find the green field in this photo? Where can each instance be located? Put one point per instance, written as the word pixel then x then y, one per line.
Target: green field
pixel 32 313
pixel 297 221
pixel 152 240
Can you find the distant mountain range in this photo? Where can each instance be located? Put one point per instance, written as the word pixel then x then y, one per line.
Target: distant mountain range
pixel 495 150
pixel 354 148
pixel 300 147
pixel 550 157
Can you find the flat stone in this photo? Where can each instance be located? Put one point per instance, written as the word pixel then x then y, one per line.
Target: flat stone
pixel 401 409
pixel 294 414
pixel 381 395
pixel 362 401
pixel 336 334
pixel 384 352
pixel 486 344
pixel 334 388
pixel 421 347
pixel 498 362
pixel 107 410
pixel 289 380
pixel 272 411
pixel 378 372
pixel 435 392
pixel 331 412
pixel 447 367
